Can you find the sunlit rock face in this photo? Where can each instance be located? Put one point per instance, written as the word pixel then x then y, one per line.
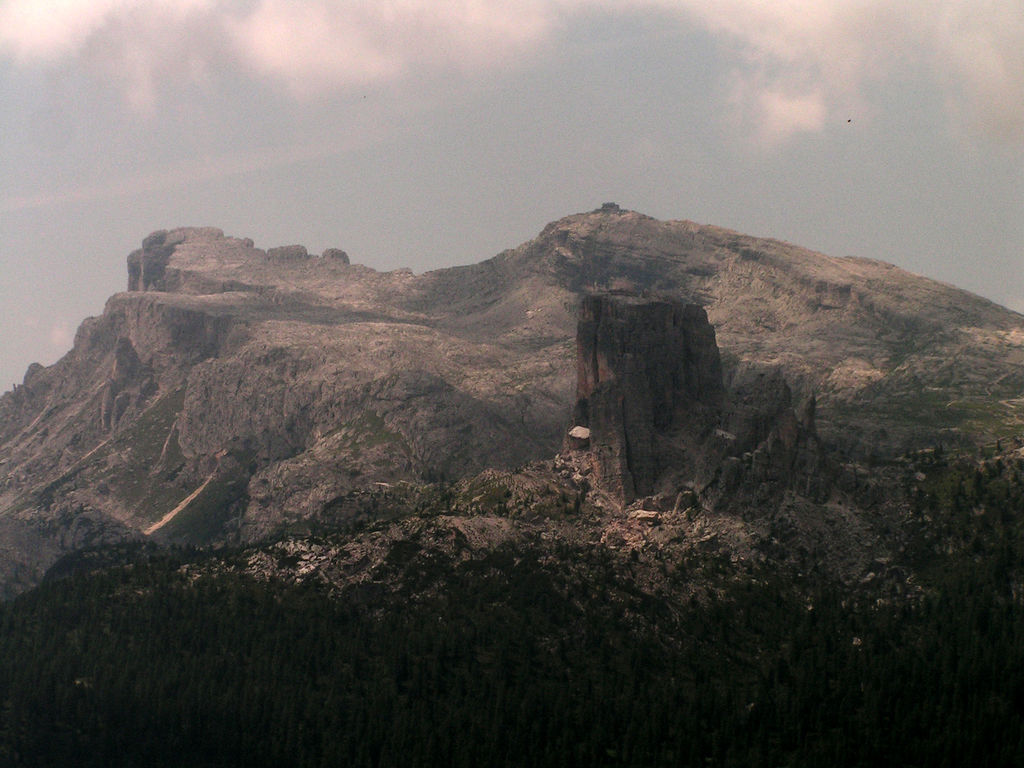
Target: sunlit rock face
pixel 244 389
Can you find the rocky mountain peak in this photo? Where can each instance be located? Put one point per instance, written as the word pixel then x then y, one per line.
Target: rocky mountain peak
pixel 319 379
pixel 202 261
pixel 147 266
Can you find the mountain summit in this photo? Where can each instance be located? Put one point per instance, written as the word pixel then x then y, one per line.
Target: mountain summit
pixel 232 392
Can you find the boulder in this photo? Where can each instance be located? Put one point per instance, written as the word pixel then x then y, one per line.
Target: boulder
pixel 335 254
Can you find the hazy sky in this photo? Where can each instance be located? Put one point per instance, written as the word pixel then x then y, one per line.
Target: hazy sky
pixel 426 134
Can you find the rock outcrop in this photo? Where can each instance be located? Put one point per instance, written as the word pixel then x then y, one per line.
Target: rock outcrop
pixel 264 388
pixel 771 447
pixel 894 359
pixel 130 383
pixel 644 369
pixel 653 414
pixel 146 266
pixel 335 254
pixel 288 252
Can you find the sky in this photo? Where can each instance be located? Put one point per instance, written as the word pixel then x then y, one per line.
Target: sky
pixel 425 134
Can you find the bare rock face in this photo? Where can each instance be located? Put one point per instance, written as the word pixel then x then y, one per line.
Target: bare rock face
pixel 287 252
pixel 897 361
pixel 653 415
pixel 147 265
pixel 130 383
pixel 233 390
pixel 335 254
pixel 772 446
pixel 644 368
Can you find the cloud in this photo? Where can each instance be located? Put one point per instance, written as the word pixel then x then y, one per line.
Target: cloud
pixel 801 60
pixel 47 31
pixel 318 45
pixel 796 63
pixel 983 45
pixel 777 111
pixel 309 47
pixel 134 44
pixel 61 335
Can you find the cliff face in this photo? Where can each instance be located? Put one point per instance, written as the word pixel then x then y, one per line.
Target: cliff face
pixel 644 369
pixel 653 414
pixel 232 390
pixel 895 360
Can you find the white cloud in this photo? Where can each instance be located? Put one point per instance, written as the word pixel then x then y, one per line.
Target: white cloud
pixel 833 51
pixel 311 46
pixel 773 111
pixel 135 44
pixel 51 29
pixel 61 335
pixel 321 44
pixel 797 62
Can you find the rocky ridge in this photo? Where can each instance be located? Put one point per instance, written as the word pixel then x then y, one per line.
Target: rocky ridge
pixel 246 391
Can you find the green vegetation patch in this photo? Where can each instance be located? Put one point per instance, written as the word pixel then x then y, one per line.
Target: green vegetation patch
pixel 150 494
pixel 204 518
pixel 487 495
pixel 369 430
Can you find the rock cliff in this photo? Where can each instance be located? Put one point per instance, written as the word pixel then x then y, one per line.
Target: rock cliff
pixel 653 414
pixel 234 390
pixel 644 369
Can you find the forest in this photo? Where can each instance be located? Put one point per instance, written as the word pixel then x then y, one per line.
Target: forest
pixel 146 658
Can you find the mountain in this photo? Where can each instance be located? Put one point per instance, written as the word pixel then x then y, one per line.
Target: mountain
pixel 232 393
pixel 633 493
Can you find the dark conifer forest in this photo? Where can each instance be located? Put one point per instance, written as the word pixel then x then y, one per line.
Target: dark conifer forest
pixel 531 656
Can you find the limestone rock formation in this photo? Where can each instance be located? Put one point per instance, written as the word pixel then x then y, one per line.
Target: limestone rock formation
pixel 895 359
pixel 653 413
pixel 242 390
pixel 335 254
pixel 286 252
pixel 146 266
pixel 644 369
pixel 129 384
pixel 772 446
